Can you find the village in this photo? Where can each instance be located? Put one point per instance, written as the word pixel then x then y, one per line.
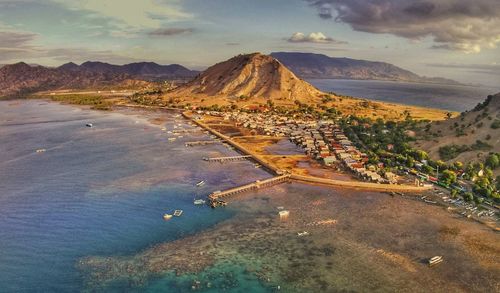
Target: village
pixel 322 140
pixel 325 142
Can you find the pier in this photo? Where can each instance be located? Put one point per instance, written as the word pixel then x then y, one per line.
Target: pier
pixel 201 142
pixel 182 131
pixel 227 159
pixel 283 176
pixel 236 145
pixel 216 196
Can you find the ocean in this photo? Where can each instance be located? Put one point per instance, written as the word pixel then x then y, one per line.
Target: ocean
pixel 440 96
pixel 96 191
pixel 86 216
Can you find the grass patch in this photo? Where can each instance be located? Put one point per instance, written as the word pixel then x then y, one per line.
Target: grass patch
pixel 449 152
pixel 96 102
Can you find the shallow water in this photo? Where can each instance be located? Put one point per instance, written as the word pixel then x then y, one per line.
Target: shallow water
pixel 86 215
pixel 446 97
pixel 95 191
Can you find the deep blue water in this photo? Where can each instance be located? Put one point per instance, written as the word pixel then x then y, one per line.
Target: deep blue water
pixel 447 97
pixel 96 191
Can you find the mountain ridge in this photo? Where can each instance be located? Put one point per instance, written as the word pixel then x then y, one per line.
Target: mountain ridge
pixel 312 65
pixel 252 75
pixel 20 79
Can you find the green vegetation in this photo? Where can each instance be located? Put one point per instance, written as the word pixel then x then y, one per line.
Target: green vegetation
pixel 450 152
pixel 495 124
pixel 96 102
pixel 387 143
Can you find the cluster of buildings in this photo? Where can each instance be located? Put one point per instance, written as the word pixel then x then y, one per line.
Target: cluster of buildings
pixel 322 140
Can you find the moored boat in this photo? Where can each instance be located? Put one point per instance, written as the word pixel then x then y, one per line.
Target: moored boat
pixel 435 260
pixel 201 183
pixel 167 216
pixel 177 213
pixel 199 201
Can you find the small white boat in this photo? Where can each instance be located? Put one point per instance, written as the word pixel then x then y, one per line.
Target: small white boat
pixel 41 150
pixel 167 217
pixel 283 214
pixel 201 183
pixel 177 213
pixel 435 260
pixel 199 201
pixel 305 233
pixel 164 128
pixel 172 139
pixel 89 125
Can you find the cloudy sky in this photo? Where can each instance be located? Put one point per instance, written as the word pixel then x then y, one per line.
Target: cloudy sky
pixel 451 38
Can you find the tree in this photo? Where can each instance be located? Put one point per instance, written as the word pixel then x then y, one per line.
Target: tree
pixel 468 196
pixel 421 155
pixel 458 165
pixel 448 177
pixel 454 193
pixel 493 161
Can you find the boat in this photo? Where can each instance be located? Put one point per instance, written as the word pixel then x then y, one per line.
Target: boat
pixel 199 202
pixel 283 214
pixel 167 217
pixel 435 260
pixel 41 150
pixel 171 139
pixel 177 213
pixel 201 183
pixel 305 233
pixel 89 125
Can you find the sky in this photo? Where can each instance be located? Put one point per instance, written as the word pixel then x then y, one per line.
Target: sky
pixel 456 39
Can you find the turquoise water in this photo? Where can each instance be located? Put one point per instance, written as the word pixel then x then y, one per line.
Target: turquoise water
pixel 98 191
pixel 441 96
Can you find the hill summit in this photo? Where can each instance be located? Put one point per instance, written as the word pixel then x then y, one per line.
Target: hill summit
pixel 252 75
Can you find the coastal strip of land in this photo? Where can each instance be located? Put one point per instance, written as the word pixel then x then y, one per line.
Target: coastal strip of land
pixel 308 179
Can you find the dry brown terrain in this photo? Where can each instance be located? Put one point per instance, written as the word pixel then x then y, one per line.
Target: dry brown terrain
pixel 252 80
pixel 474 125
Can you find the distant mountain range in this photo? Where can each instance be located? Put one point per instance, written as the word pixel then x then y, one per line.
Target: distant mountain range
pixel 309 65
pixel 20 78
pixel 142 70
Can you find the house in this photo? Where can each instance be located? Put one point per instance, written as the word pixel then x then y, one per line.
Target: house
pixel 329 160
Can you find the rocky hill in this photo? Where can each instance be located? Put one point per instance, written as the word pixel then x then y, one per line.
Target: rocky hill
pixel 468 137
pixel 140 70
pixel 309 65
pixel 255 76
pixel 20 79
pixel 260 81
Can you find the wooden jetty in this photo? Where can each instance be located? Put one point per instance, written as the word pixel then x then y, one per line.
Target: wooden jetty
pixel 215 197
pixel 201 142
pixel 227 159
pixel 193 130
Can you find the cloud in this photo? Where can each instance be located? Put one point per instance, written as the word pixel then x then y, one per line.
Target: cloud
pixel 317 37
pixel 165 32
pixel 463 25
pixel 15 38
pixel 20 45
pixel 132 14
pixel 491 69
